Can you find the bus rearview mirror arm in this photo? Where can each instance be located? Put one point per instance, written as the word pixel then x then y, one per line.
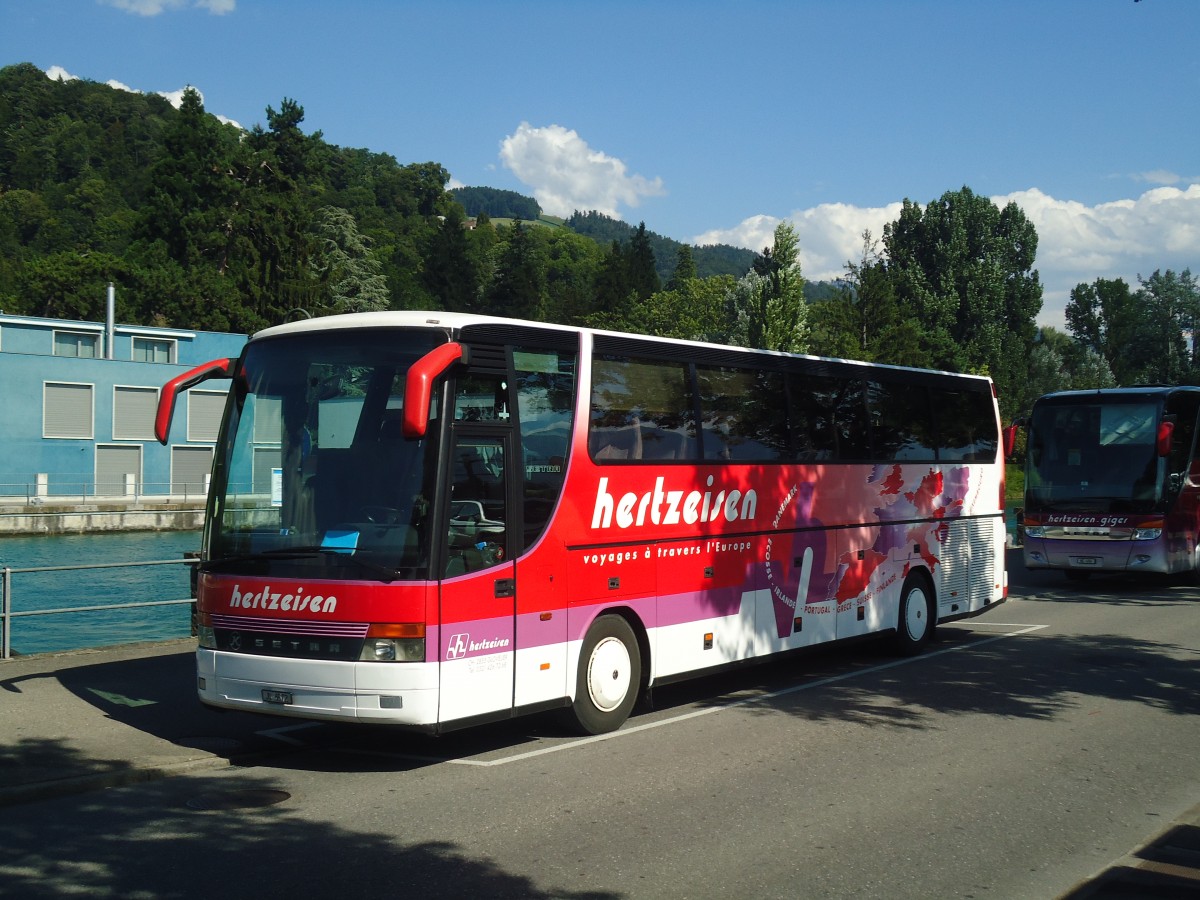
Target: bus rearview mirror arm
pixel 418 386
pixel 217 368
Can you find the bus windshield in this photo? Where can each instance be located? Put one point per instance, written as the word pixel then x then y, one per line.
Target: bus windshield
pixel 1094 456
pixel 316 478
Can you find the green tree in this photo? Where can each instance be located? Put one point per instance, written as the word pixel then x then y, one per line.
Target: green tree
pixel 768 306
pixel 965 269
pixel 451 273
pixel 643 273
pixel 685 267
pixel 572 262
pixel 1104 316
pixel 520 283
pixel 73 285
pixel 194 194
pixel 284 173
pixel 350 275
pixel 692 310
pixel 614 293
pixel 1172 310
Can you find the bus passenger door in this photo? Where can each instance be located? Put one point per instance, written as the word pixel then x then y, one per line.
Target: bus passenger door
pixel 478 588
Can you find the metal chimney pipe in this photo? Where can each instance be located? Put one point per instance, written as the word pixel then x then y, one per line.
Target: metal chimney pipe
pixel 110 327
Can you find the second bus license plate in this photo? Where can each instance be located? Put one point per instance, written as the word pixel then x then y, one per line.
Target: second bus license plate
pixel 283 698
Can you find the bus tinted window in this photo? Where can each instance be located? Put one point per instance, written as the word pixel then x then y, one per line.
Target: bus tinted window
pixel 844 415
pixel 741 414
pixel 810 419
pixel 966 425
pixel 901 422
pixel 640 410
pixel 546 400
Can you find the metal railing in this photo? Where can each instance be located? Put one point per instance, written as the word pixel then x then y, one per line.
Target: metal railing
pixel 84 490
pixel 7 614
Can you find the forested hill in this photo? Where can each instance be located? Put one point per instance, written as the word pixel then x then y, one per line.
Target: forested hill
pixel 203 225
pixel 711 259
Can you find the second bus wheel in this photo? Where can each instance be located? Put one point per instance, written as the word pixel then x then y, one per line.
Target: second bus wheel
pixel 609 676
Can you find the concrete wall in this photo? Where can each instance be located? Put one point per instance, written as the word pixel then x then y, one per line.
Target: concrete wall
pixel 92 517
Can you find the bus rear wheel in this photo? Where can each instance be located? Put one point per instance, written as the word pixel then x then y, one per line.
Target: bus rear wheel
pixel 915 621
pixel 609 676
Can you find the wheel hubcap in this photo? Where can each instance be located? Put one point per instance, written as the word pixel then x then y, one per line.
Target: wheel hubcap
pixel 609 672
pixel 916 615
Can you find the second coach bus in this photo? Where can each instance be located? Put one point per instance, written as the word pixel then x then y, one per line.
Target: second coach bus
pixel 434 519
pixel 1112 481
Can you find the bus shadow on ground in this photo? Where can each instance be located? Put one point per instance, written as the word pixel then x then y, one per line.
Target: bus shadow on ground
pixel 162 839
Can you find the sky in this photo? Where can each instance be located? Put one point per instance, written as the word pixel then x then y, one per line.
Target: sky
pixel 712 122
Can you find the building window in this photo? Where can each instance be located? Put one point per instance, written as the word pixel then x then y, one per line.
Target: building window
pixel 134 409
pixel 67 410
pixel 189 469
pixel 79 344
pixel 204 415
pixel 153 350
pixel 118 469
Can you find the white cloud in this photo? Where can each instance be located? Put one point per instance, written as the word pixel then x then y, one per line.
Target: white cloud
pixel 1076 243
pixel 155 7
pixel 58 73
pixel 175 98
pixel 1123 239
pixel 566 174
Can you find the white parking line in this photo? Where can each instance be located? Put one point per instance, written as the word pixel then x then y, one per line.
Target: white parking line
pixel 279 735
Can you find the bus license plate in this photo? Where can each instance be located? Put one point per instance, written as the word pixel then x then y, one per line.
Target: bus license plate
pixel 283 698
pixel 1085 560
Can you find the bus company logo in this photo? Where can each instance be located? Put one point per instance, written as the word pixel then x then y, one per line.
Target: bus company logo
pixel 1084 520
pixel 297 601
pixel 663 507
pixel 461 644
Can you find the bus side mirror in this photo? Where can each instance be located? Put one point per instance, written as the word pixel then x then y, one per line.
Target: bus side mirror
pixel 1010 438
pixel 1166 430
pixel 217 368
pixel 418 386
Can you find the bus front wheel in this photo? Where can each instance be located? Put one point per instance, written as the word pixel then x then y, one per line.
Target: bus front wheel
pixel 915 622
pixel 609 676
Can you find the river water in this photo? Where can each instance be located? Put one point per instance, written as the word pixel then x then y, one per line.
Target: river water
pixel 95 587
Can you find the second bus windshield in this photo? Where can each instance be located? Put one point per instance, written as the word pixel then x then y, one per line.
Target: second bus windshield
pixel 1095 456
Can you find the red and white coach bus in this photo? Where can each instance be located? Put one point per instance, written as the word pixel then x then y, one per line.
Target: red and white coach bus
pixel 435 519
pixel 1112 481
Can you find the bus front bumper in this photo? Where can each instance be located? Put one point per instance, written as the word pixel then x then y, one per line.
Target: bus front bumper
pixel 385 693
pixel 1095 556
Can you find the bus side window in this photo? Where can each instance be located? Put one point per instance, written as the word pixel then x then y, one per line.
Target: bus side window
pixel 811 416
pixel 641 409
pixel 901 421
pixel 545 382
pixel 478 505
pixel 740 415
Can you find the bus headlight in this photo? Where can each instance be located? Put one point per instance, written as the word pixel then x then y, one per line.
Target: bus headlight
pixel 1148 530
pixel 1035 531
pixel 394 642
pixel 204 632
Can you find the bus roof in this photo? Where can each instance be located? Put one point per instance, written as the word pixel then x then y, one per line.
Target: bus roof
pixel 452 322
pixel 1119 395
